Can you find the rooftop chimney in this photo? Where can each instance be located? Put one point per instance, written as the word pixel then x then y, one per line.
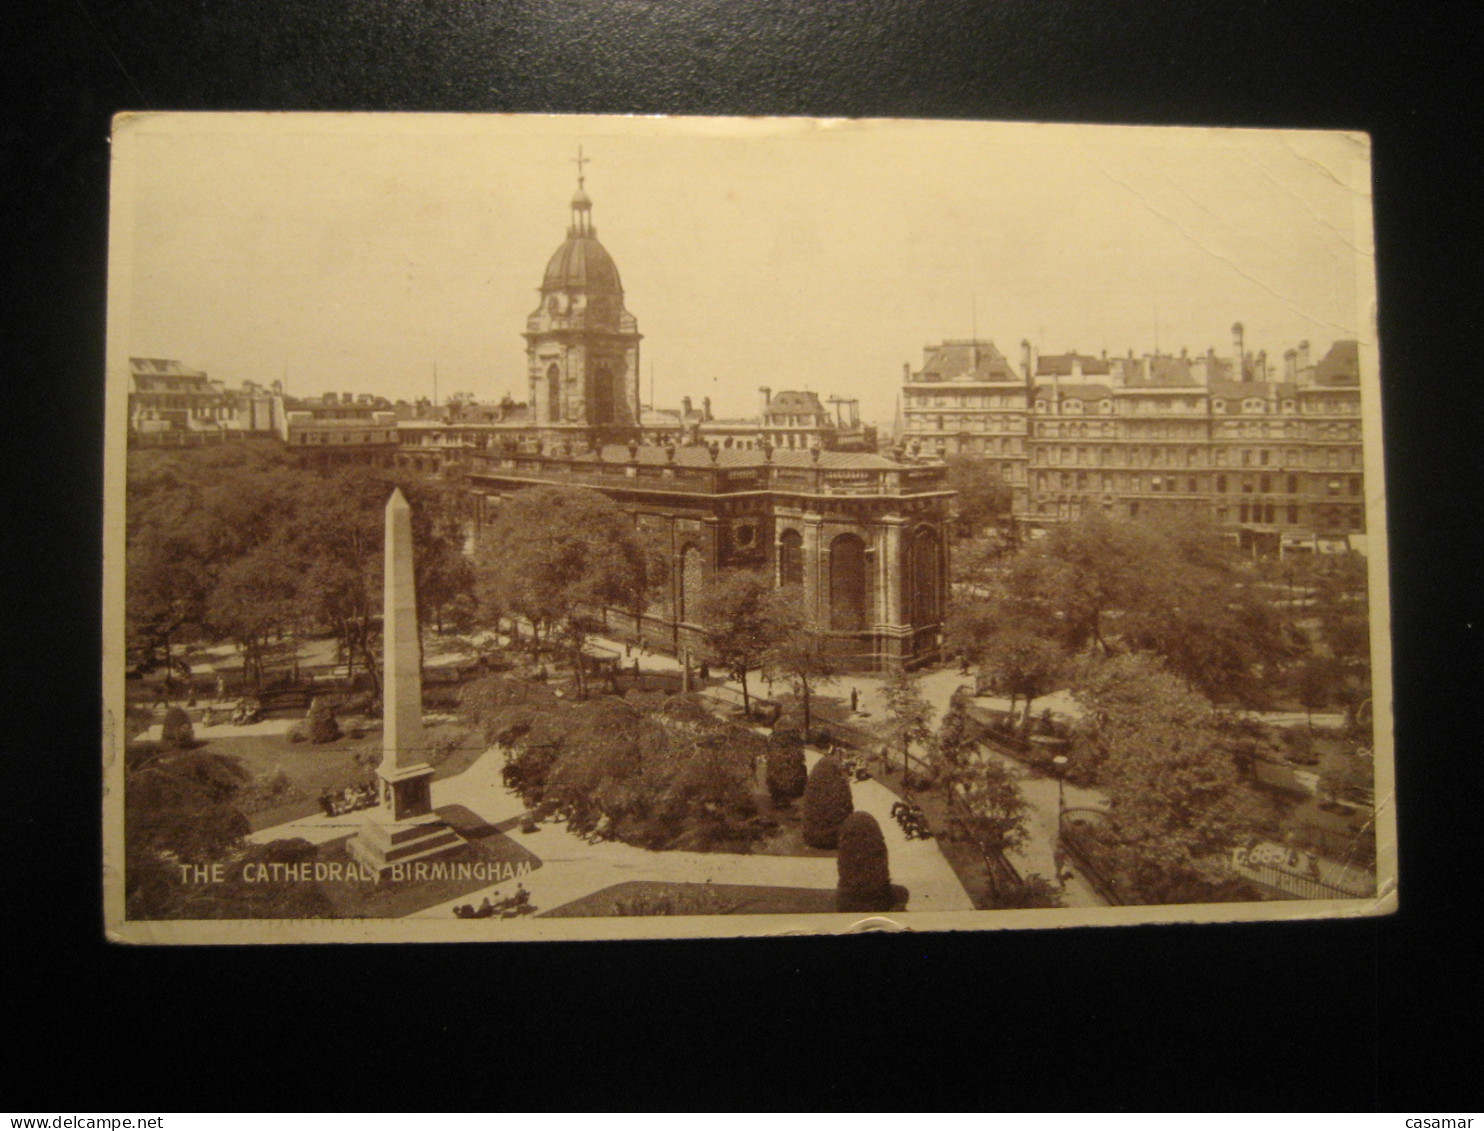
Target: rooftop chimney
pixel 767 398
pixel 685 406
pixel 1238 355
pixel 705 408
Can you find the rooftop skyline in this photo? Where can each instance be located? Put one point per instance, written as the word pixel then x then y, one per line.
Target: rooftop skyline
pixel 357 252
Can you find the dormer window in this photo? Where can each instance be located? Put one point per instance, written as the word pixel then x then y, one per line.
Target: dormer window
pixel 1218 405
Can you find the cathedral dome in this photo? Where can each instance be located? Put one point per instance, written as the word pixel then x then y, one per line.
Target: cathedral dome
pixel 582 263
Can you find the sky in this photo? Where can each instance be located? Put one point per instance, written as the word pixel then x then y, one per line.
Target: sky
pixel 360 253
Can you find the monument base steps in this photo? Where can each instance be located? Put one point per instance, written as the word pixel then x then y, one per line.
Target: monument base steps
pixel 382 847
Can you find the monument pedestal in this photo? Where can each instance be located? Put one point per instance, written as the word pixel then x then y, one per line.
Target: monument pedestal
pixel 405 829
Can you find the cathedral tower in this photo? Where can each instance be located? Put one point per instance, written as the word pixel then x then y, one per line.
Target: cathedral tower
pixel 582 346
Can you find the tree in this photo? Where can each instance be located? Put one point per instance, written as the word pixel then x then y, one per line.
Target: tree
pixel 733 611
pixel 996 811
pixel 956 733
pixel 798 650
pixel 646 769
pixel 1072 579
pixel 909 716
pixel 1204 612
pixel 1174 804
pixel 319 726
pixel 983 497
pixel 1317 682
pixel 561 553
pixel 827 803
pixel 1023 663
pixel 864 870
pixel 178 809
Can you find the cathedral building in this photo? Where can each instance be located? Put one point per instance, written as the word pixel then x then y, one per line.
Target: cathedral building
pixel 863 535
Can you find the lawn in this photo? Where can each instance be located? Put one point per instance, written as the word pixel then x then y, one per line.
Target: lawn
pixel 286 778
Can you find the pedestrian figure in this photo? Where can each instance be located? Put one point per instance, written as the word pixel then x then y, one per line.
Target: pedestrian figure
pixel 1059 862
pixel 854 700
pixel 705 671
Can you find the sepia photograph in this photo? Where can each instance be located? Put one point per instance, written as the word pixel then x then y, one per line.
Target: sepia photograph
pixel 548 528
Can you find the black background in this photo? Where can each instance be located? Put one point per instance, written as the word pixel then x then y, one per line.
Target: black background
pixel 1332 1015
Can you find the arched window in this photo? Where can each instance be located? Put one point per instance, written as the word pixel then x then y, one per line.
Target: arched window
pixel 692 579
pixel 848 605
pixel 791 558
pixel 925 594
pixel 554 393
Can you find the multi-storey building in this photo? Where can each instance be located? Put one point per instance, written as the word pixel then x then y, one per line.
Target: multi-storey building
pixel 1275 463
pixel 968 399
pixel 170 404
pixel 344 429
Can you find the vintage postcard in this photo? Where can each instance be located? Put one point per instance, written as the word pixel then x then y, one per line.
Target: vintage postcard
pixel 528 528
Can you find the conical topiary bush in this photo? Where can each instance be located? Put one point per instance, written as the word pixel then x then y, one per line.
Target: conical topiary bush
pixel 826 803
pixel 865 875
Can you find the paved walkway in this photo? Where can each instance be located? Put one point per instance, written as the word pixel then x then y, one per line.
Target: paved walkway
pixel 571 867
pixel 1036 855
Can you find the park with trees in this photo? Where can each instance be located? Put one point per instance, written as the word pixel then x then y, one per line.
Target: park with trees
pixel 1170 644
pixel 1164 638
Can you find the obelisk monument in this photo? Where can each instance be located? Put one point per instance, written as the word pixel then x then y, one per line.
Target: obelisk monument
pixel 404 828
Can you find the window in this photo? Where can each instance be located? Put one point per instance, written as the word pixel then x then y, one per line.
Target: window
pixel 791 558
pixel 1221 484
pixel 1264 456
pixel 1265 484
pixel 1355 484
pixel 1292 513
pixel 1293 486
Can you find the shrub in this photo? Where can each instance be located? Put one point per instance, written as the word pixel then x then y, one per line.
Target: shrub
pixel 320 725
pixel 176 730
pixel 826 804
pixel 786 772
pixel 865 876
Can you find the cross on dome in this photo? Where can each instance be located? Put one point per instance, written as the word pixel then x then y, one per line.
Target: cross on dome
pixel 582 205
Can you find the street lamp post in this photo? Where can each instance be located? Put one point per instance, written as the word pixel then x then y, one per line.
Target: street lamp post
pixel 1060 762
